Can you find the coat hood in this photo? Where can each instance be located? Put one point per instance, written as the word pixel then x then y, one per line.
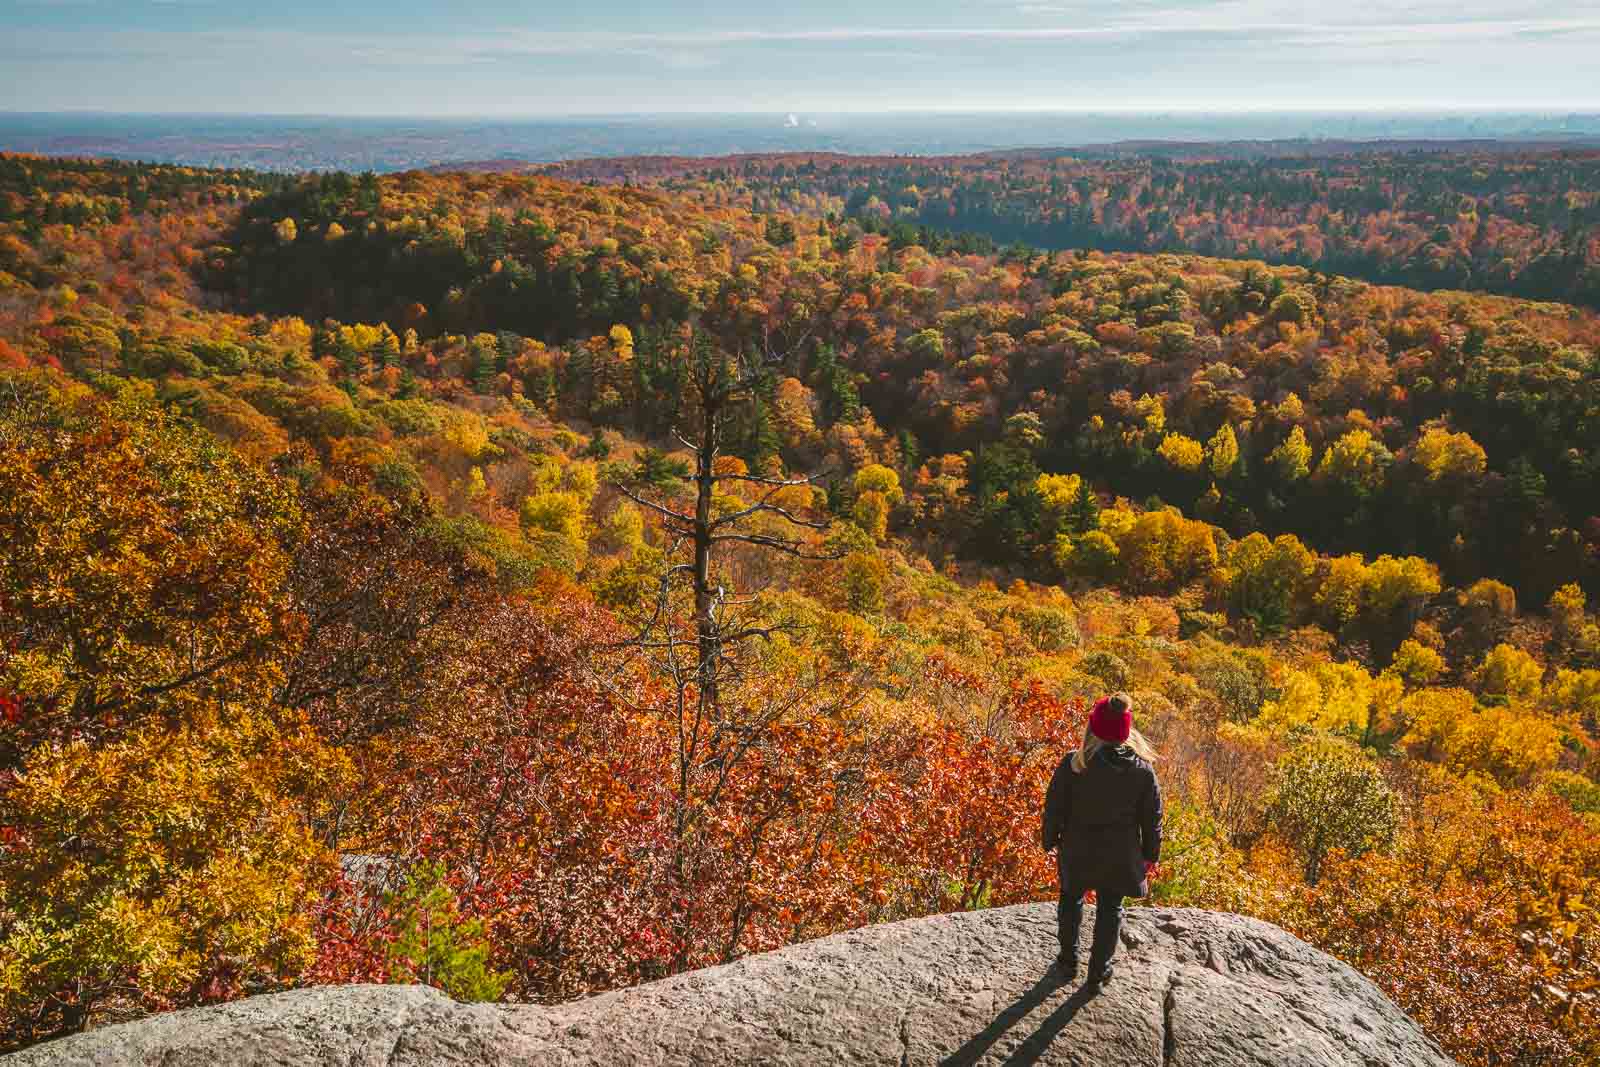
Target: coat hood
pixel 1121 758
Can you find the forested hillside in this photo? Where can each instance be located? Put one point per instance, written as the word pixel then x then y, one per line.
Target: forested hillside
pixel 1360 418
pixel 1459 217
pixel 639 580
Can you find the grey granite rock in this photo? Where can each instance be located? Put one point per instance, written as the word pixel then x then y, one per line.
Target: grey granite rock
pixel 1192 988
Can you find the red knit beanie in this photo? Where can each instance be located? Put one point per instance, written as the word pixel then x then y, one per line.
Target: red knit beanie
pixel 1110 724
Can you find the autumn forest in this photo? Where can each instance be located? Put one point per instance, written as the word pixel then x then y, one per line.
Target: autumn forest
pixel 538 583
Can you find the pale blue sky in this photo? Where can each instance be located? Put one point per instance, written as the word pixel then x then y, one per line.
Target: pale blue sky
pixel 494 57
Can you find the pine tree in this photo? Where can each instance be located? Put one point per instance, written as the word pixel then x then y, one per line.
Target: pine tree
pixel 1084 514
pixel 837 387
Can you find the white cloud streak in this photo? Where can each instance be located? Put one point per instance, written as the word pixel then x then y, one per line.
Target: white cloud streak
pixel 1361 23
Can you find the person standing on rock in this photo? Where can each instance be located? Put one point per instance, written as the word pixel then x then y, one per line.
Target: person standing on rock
pixel 1102 815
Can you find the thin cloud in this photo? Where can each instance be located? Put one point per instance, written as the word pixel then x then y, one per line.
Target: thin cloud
pixel 1414 31
pixel 1257 22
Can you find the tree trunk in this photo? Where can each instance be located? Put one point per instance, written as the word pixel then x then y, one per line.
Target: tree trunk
pixel 704 595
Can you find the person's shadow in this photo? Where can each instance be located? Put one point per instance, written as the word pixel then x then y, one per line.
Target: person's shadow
pixel 1033 1048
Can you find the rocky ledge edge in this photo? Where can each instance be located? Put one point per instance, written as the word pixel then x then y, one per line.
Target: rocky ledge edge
pixel 1191 988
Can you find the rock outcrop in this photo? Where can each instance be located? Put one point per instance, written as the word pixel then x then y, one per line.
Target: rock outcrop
pixel 1192 988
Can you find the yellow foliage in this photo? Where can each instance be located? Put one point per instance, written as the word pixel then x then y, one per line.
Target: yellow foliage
pixel 1292 458
pixel 1093 554
pixel 875 477
pixel 1511 743
pixel 624 527
pixel 1575 693
pixel 1355 458
pixel 159 829
pixel 1333 696
pixel 1490 598
pixel 1162 548
pixel 1393 582
pixel 583 478
pixel 1444 455
pixel 558 512
pixel 1182 452
pixel 1510 673
pixel 792 403
pixel 466 435
pixel 544 473
pixel 1058 491
pixel 865 576
pixel 1117 520
pixel 871 513
pixel 622 341
pixel 1338 598
pixel 162 855
pixel 1268 578
pixel 1436 721
pixel 1416 664
pixel 1222 452
pixel 474 487
pixel 1150 408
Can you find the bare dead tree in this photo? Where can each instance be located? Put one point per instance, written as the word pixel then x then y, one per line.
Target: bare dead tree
pixel 697 633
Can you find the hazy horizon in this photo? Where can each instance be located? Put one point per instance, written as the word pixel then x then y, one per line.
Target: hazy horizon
pixel 382 143
pixel 1554 110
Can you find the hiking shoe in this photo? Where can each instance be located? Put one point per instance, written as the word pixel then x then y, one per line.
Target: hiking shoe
pixel 1066 966
pixel 1099 976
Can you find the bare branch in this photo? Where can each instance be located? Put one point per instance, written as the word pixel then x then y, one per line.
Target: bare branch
pixel 781 483
pixel 789 547
pixel 764 632
pixel 659 509
pixel 772 509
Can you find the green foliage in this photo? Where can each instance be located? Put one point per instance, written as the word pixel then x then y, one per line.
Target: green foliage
pixel 1329 796
pixel 1270 580
pixel 1049 628
pixel 659 470
pixel 865 576
pixel 499 553
pixel 1582 792
pixel 1199 867
pixel 1108 667
pixel 836 386
pixel 435 944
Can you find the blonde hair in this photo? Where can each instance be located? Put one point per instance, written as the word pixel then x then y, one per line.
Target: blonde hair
pixel 1092 744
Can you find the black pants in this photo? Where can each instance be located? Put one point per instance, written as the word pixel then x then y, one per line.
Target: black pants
pixel 1069 917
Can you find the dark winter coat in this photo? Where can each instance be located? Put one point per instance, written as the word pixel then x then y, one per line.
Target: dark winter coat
pixel 1106 821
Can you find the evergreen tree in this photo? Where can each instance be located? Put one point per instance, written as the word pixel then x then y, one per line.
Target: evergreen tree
pixel 836 386
pixel 1084 514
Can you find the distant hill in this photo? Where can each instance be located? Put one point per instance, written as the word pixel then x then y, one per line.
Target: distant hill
pixel 616 168
pixel 1518 218
pixel 291 143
